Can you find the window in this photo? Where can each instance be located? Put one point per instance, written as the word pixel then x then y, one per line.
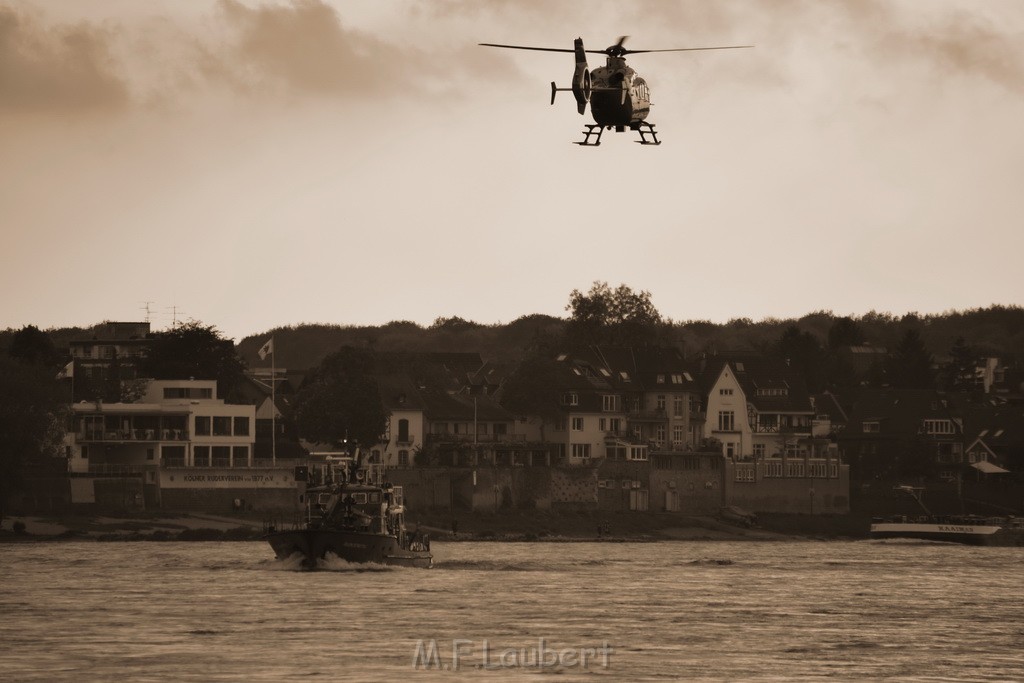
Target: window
pixel 403 458
pixel 150 454
pixel 602 424
pixel 500 429
pixel 241 426
pixel 688 376
pixel 730 449
pixel 561 424
pixel 678 434
pixel 570 399
pixel 403 431
pixel 637 453
pixel 759 450
pixel 201 456
pixel 221 456
pixel 660 379
pixel 610 403
pixel 240 456
pixel 581 450
pixel 677 379
pixel 725 392
pixel 661 402
pixel 726 421
pixel 202 425
pixel 614 424
pixel 870 427
pixel 624 375
pixel 221 426
pixel 938 426
pixel 482 427
pixel 678 406
pixel 577 424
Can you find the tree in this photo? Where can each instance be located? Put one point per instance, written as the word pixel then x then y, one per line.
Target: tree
pixel 32 345
pixel 960 371
pixel 802 351
pixel 613 316
pixel 910 366
pixel 32 420
pixel 844 332
pixel 194 350
pixel 531 389
pixel 340 401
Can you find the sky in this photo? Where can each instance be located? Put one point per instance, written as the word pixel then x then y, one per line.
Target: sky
pixel 257 164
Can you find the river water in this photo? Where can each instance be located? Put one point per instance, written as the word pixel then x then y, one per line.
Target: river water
pixel 634 611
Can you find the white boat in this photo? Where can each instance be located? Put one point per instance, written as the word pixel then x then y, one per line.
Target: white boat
pixel 966 529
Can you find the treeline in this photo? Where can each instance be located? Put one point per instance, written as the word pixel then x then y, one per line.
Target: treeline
pixel 994 331
pixel 597 317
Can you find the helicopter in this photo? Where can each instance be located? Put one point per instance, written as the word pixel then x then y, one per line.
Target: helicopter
pixel 619 98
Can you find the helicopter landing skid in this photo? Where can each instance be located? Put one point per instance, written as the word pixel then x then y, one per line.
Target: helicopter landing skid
pixel 640 127
pixel 592 129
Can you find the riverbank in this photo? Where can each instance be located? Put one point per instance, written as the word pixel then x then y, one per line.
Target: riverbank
pixel 513 525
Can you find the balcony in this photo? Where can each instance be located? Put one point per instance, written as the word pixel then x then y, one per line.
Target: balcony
pixel 130 435
pixel 769 428
pixel 115 469
pixel 480 438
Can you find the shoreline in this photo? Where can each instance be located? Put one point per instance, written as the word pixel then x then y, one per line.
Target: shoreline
pixel 511 527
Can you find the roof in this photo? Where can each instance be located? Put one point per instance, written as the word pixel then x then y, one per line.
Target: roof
pixel 633 369
pixel 769 385
pixel 399 392
pixel 901 411
pixel 827 403
pixel 989 468
pixel 461 408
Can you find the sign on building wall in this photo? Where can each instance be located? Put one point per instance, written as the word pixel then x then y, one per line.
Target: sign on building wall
pixel 235 478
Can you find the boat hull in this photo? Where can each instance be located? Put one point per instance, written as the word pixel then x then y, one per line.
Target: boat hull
pixel 351 546
pixel 966 534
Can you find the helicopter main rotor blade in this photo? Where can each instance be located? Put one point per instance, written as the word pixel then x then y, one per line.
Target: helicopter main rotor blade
pixel 540 49
pixel 687 49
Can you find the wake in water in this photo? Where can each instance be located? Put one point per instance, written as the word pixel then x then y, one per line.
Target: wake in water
pixel 493 565
pixel 331 563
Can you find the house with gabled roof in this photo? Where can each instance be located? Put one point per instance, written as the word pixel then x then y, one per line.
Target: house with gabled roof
pixel 900 432
pixel 994 438
pixel 758 408
pixel 403 437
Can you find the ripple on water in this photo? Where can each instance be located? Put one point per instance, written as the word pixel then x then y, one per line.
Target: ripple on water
pixel 230 611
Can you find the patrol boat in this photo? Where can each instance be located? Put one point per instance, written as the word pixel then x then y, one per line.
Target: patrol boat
pixel 354 515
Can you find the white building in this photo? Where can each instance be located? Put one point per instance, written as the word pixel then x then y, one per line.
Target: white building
pixel 176 423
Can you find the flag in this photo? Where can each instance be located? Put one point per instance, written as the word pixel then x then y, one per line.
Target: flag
pixel 267 349
pixel 68 371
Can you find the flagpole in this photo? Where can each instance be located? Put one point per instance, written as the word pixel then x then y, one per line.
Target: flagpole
pixel 273 403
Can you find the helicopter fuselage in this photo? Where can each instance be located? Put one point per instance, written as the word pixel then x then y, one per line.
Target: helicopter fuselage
pixel 608 105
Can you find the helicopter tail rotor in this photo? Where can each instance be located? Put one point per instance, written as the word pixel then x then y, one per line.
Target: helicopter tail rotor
pixel 581 85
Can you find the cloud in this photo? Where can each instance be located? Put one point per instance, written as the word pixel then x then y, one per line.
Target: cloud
pixel 305 47
pixel 962 45
pixel 62 69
